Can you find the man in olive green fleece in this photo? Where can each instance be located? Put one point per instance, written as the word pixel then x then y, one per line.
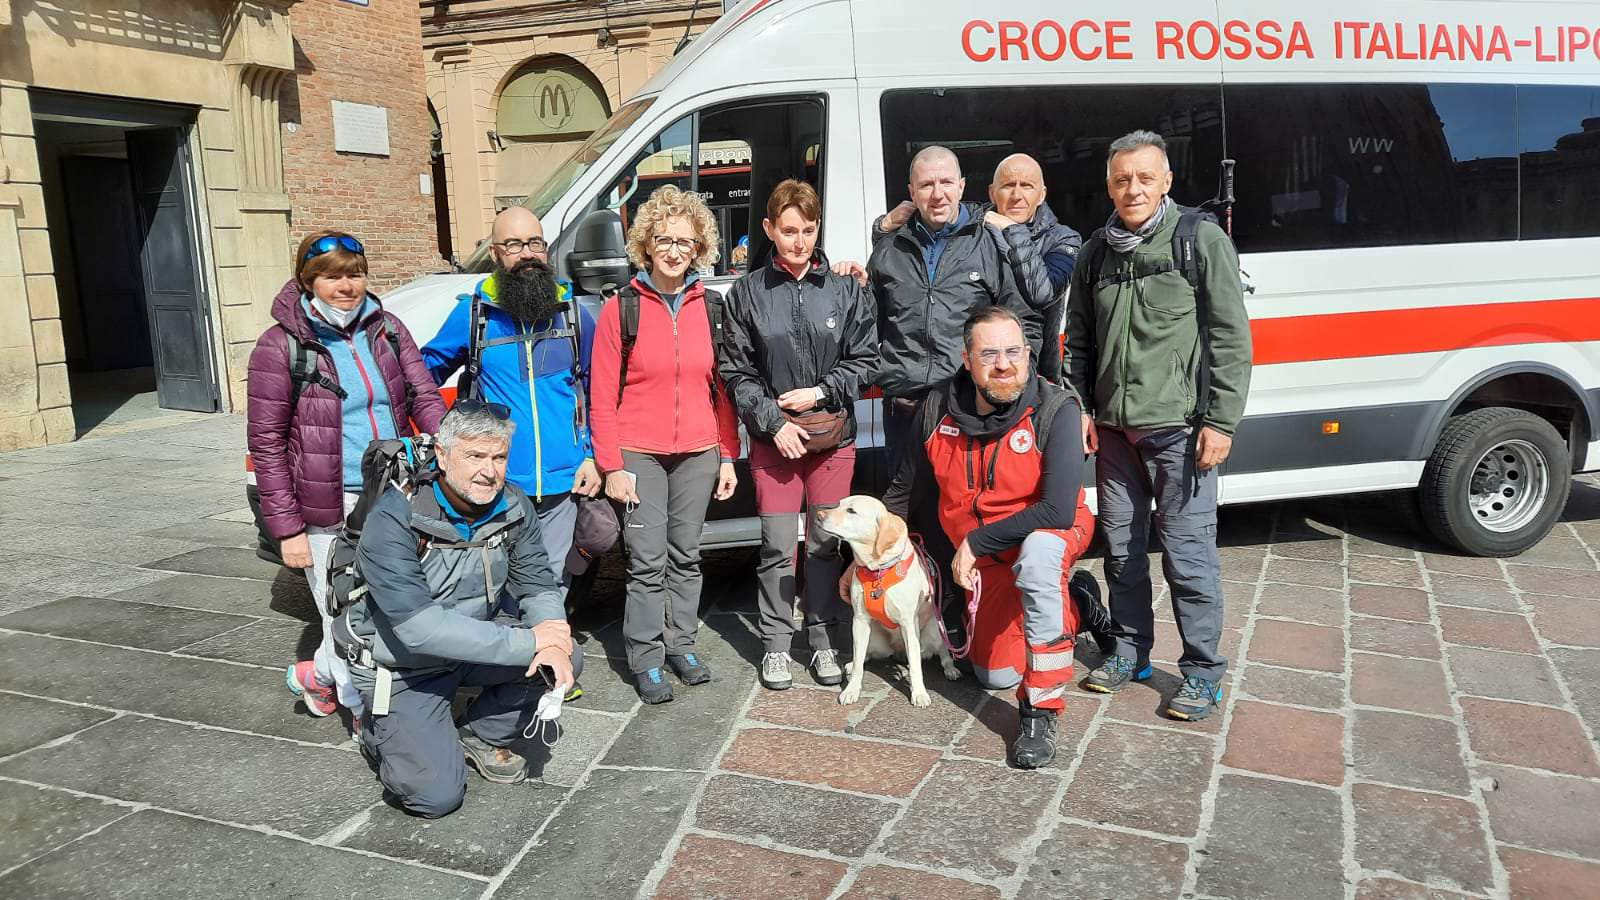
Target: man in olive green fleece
pixel 1134 355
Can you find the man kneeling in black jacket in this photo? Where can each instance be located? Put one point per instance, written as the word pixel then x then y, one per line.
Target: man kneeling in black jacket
pixel 441 567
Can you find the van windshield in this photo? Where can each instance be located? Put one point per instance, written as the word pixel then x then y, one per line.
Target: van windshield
pixel 568 173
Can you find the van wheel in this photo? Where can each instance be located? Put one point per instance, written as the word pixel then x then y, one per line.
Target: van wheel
pixel 1496 481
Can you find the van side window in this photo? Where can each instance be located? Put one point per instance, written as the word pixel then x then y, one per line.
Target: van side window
pixel 1330 166
pixel 1067 129
pixel 1559 132
pixel 733 155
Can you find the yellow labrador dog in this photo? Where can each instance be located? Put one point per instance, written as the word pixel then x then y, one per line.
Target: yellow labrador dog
pixel 890 594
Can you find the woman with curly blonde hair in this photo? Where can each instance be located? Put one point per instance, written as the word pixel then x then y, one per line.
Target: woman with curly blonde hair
pixel 664 433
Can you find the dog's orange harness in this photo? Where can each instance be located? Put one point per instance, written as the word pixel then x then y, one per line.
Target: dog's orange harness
pixel 875 583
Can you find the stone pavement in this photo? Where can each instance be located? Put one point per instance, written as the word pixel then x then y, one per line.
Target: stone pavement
pixel 1400 723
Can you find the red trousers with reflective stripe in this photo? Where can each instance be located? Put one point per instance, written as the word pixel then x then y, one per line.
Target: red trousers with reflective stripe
pixel 999 640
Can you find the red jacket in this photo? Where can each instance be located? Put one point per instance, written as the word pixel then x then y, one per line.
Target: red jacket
pixel 666 407
pixel 298 453
pixel 984 481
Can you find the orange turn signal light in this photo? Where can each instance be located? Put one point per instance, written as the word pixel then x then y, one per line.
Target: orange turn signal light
pixel 1330 427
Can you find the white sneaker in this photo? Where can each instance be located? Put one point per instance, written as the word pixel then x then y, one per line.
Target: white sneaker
pixel 775 672
pixel 825 667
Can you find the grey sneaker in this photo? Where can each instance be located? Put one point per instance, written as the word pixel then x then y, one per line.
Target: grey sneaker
pixel 775 672
pixel 1114 674
pixel 1195 699
pixel 825 667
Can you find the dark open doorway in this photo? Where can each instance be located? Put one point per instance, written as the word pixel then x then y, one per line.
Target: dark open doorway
pixel 120 196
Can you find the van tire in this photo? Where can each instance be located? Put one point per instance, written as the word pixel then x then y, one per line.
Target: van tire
pixel 1496 504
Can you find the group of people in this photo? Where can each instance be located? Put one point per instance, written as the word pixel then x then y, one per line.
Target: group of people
pixel 988 426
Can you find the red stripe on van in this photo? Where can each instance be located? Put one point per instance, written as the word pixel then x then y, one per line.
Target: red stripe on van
pixel 1395 331
pixel 748 13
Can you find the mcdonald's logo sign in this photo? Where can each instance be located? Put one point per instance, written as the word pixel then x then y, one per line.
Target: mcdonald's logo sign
pixel 554 104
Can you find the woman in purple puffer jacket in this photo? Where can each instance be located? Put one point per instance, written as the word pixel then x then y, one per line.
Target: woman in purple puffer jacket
pixel 307 451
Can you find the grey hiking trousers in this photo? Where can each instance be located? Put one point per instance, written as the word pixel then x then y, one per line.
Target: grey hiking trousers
pixel 662 534
pixel 1132 468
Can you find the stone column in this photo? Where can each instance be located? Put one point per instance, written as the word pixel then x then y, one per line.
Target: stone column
pixel 35 400
pixel 244 183
pixel 461 135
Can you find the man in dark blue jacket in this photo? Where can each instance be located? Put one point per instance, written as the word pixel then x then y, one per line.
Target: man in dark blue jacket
pixel 525 362
pixel 1040 250
pixel 459 594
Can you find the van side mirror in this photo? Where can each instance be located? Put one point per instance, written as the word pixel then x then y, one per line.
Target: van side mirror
pixel 599 258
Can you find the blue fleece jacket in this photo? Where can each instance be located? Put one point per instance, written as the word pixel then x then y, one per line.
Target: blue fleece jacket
pixel 533 378
pixel 367 413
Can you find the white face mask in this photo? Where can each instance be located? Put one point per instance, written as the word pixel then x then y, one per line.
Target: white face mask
pixel 338 318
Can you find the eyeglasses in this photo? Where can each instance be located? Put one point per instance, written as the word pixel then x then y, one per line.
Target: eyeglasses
pixel 326 245
pixel 663 243
pixel 498 410
pixel 516 247
pixel 1013 354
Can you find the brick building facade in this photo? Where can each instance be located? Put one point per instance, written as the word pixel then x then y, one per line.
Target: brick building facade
pixel 368 55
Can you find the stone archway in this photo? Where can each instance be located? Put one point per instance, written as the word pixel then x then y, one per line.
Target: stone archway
pixel 546 107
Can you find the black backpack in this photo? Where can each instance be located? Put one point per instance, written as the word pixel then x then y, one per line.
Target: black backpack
pixel 628 316
pixel 405 464
pixel 304 371
pixel 1186 260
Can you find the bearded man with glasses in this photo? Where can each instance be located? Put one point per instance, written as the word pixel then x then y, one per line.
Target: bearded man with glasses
pixel 519 342
pixel 1002 448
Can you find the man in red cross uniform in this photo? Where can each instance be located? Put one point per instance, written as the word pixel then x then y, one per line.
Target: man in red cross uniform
pixel 1004 450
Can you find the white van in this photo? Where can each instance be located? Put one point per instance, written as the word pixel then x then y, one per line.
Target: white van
pixel 1418 203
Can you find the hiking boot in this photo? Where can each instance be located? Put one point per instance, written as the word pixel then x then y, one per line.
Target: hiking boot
pixel 1114 674
pixel 689 669
pixel 302 680
pixel 775 672
pixel 825 667
pixel 496 764
pixel 653 686
pixel 1195 699
pixel 1093 616
pixel 1036 744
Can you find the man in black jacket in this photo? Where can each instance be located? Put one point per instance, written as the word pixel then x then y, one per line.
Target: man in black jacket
pixel 1039 248
pixel 929 272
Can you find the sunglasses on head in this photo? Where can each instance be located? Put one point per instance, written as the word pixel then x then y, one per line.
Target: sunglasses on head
pixel 326 245
pixel 498 410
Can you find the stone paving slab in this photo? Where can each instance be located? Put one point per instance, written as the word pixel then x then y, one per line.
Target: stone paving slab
pixel 482 837
pixel 143 626
pixel 35 820
pixel 30 722
pixel 826 821
pixel 1423 837
pixel 973 817
pixel 157 854
pixel 216 774
pixel 271 643
pixel 225 562
pixel 607 838
pixel 210 693
pixel 286 596
pixel 1259 827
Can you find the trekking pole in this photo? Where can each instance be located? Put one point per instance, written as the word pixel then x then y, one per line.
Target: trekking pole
pixel 1225 196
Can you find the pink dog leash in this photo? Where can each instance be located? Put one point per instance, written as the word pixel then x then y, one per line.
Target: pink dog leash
pixel 935 585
